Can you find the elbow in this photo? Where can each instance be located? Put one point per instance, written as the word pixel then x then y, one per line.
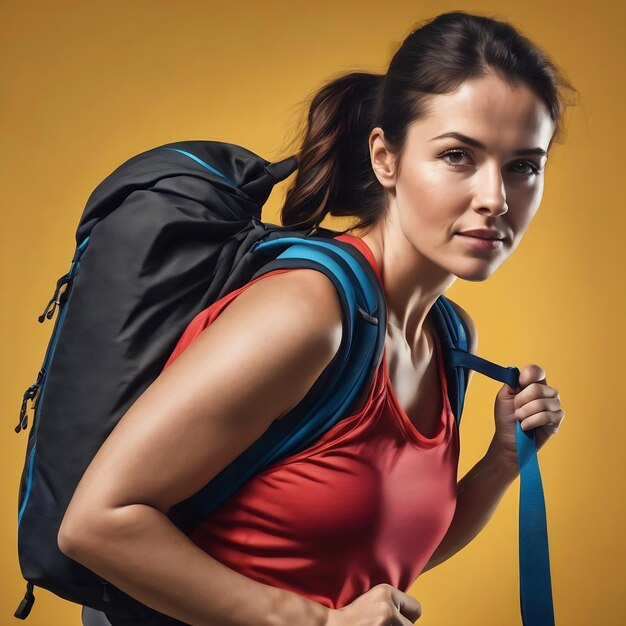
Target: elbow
pixel 78 535
pixel 71 537
pixel 83 534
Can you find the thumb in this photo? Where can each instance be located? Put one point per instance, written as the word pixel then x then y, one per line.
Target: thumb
pixel 408 606
pixel 532 373
pixel 508 393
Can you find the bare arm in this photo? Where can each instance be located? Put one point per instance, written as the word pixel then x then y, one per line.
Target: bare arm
pixel 254 363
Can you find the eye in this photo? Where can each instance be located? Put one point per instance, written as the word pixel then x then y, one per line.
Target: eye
pixel 456 152
pixel 533 170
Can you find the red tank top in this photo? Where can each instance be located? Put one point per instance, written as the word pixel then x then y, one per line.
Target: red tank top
pixel 367 503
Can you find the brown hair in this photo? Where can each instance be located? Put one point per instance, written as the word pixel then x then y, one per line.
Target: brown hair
pixel 335 175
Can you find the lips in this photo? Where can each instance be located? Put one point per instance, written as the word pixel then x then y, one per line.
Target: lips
pixel 480 243
pixel 483 233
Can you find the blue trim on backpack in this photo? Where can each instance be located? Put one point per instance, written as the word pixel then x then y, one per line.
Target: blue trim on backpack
pixel 204 164
pixel 29 484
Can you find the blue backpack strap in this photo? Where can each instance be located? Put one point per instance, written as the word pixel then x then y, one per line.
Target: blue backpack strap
pixel 346 376
pixel 534 557
pixel 455 340
pixel 364 335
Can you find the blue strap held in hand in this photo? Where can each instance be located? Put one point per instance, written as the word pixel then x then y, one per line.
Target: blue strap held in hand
pixel 534 557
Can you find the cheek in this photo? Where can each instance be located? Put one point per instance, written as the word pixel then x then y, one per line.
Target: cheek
pixel 523 206
pixel 429 205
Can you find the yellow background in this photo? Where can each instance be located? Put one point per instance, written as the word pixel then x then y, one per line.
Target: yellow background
pixel 87 85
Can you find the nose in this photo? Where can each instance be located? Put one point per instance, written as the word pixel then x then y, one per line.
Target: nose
pixel 490 195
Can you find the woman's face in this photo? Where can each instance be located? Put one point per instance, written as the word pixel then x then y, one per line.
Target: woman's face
pixel 445 185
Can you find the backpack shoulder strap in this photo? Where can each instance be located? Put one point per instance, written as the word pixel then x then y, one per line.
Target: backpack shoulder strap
pixel 534 563
pixel 458 360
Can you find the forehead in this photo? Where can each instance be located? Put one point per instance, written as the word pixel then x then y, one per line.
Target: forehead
pixel 499 115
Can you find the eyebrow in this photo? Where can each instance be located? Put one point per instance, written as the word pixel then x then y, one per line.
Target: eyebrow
pixel 477 144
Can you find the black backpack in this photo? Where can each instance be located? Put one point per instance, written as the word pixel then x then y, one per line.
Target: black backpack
pixel 168 233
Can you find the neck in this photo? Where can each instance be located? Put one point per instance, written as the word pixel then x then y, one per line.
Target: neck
pixel 411 283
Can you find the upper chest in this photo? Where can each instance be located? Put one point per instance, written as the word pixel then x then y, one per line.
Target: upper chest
pixel 415 381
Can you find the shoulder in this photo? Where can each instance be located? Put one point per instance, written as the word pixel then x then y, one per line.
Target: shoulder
pixel 469 325
pixel 300 297
pixel 304 288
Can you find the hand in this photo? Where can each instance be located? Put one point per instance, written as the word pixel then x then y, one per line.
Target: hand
pixel 382 605
pixel 534 404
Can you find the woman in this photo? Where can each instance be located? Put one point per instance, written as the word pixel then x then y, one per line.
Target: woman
pixel 442 161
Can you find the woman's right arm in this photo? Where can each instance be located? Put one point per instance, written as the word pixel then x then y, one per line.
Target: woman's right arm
pixel 253 364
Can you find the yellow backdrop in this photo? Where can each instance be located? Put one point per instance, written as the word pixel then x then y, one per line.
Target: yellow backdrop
pixel 86 85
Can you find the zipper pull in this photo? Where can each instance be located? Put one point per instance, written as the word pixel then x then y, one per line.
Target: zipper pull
pixel 27 602
pixel 106 592
pixel 55 300
pixel 29 394
pixel 366 316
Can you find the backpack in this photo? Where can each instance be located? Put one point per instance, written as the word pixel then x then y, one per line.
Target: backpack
pixel 169 232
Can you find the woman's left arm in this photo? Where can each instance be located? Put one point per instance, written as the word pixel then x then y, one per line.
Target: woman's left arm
pixel 537 406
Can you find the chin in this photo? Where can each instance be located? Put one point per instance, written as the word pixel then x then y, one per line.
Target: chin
pixel 476 272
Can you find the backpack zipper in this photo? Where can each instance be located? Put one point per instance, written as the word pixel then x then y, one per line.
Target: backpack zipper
pixel 57 300
pixel 36 390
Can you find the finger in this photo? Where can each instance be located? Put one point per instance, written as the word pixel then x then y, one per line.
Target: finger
pixel 400 620
pixel 403 621
pixel 536 406
pixel 545 418
pixel 534 391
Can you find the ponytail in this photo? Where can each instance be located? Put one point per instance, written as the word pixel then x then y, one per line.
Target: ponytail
pixel 335 175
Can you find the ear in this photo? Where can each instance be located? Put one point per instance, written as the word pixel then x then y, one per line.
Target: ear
pixel 383 160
